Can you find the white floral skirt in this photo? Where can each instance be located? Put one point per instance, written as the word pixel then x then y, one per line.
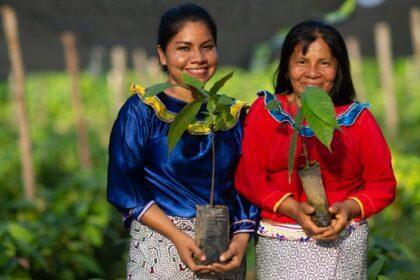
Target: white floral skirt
pixel 153 256
pixel 344 258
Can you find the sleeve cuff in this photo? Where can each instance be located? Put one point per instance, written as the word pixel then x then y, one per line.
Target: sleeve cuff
pixel 277 205
pixel 359 202
pixel 136 213
pixel 244 226
pixel 272 201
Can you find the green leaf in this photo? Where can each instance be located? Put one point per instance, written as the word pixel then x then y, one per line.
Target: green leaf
pixel 220 83
pixel 20 233
pixel 225 101
pixel 185 117
pixel 211 106
pixel 375 268
pixel 320 103
pixel 202 91
pixel 318 110
pixel 191 81
pixel 273 105
pixel 158 88
pixel 209 120
pixel 224 118
pixel 293 144
pixel 322 130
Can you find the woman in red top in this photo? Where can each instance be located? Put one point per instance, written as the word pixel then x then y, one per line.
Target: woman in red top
pixel 357 174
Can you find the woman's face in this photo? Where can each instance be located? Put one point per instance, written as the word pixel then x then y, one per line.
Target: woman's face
pixel 318 67
pixel 193 51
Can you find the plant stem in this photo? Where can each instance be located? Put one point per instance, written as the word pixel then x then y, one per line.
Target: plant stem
pixel 213 170
pixel 305 149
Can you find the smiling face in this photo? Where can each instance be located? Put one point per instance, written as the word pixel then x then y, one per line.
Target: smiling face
pixel 318 67
pixel 193 51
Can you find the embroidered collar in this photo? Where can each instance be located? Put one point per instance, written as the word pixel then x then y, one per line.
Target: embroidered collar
pixel 346 118
pixel 165 115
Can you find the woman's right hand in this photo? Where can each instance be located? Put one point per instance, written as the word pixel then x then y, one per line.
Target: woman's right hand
pixel 187 248
pixel 301 212
pixel 156 219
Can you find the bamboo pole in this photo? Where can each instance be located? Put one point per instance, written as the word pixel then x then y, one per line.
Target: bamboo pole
pixel 353 46
pixel 117 75
pixel 384 55
pixel 68 40
pixel 140 64
pixel 415 33
pixel 10 26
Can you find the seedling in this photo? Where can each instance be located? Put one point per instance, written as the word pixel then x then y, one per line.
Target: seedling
pixel 212 221
pixel 317 110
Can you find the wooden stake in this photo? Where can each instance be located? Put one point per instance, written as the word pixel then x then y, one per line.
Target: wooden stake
pixel 10 26
pixel 353 46
pixel 384 55
pixel 140 64
pixel 153 69
pixel 97 54
pixel 72 61
pixel 117 75
pixel 415 33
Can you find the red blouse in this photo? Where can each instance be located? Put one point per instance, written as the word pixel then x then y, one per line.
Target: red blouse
pixel 358 168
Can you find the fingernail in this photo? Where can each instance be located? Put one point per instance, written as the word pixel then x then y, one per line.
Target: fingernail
pixel 222 258
pixel 203 258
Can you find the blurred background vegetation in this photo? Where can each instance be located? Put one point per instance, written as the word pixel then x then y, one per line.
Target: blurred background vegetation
pixel 69 231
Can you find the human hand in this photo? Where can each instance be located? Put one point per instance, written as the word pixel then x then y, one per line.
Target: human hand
pixel 303 212
pixel 232 258
pixel 187 248
pixel 341 213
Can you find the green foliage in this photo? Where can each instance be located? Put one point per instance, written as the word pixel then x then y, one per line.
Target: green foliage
pixel 219 84
pixel 318 111
pixel 346 10
pixel 153 90
pixel 181 122
pixel 61 234
pixel 191 81
pixel 388 259
pixel 217 108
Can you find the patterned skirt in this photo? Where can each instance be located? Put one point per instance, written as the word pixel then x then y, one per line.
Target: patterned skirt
pixel 344 258
pixel 153 256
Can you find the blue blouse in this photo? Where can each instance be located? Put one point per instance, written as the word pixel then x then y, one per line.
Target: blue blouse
pixel 141 172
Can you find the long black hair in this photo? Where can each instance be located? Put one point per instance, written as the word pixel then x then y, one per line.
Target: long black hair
pixel 306 33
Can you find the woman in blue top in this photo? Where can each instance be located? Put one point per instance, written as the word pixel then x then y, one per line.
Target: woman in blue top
pixel 157 192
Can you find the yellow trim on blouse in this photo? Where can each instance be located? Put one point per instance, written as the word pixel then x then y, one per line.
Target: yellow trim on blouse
pixel 198 127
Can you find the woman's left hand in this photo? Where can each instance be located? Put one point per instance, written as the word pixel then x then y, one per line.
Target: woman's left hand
pixel 342 213
pixel 234 255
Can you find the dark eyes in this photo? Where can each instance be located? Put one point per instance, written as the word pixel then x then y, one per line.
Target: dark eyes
pixel 186 48
pixel 323 63
pixel 208 47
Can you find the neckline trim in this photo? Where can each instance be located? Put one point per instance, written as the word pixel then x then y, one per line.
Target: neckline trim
pixel 346 118
pixel 165 115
